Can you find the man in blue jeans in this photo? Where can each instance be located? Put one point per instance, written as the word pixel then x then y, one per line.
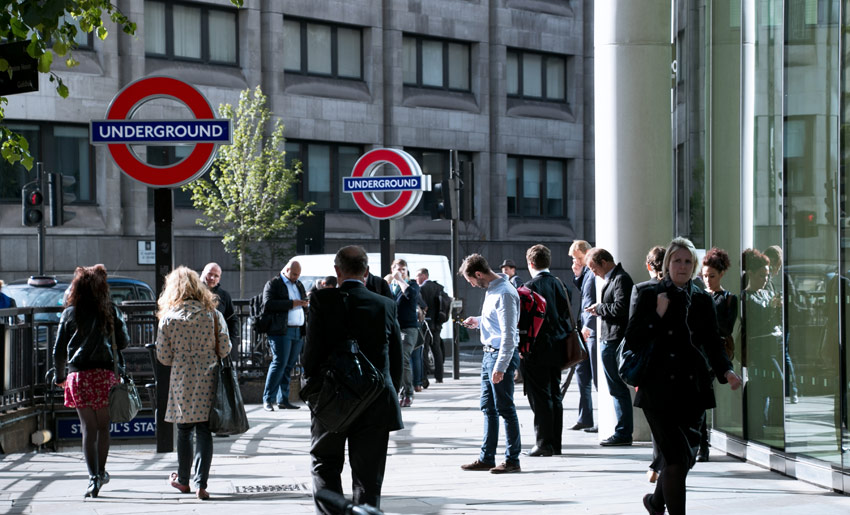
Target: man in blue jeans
pixel 500 337
pixel 613 309
pixel 284 297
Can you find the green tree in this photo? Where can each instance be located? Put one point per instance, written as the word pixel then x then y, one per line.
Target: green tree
pixel 249 196
pixel 50 27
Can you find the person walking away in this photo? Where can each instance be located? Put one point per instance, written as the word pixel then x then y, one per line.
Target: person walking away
pixel 191 338
pixel 285 297
pixel 541 369
pixel 430 292
pixel 613 309
pixel 336 314
pixel 500 338
pixel 90 328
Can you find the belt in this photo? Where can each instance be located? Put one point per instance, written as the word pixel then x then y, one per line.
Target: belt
pixel 487 348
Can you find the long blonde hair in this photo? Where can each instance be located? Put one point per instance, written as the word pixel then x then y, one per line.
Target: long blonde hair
pixel 183 284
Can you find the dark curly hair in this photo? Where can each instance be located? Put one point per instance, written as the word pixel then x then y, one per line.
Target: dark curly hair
pixel 753 259
pixel 655 259
pixel 717 259
pixel 89 294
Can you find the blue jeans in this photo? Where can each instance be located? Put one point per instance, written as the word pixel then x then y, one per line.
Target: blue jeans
pixel 586 378
pixel 618 390
pixel 285 350
pixel 497 400
pixel 409 335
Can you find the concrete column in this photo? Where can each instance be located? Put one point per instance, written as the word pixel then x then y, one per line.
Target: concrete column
pixel 634 179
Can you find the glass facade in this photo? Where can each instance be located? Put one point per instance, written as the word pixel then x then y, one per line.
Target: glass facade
pixel 763 176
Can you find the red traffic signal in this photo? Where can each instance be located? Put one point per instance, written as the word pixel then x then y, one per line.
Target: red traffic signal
pixel 33 208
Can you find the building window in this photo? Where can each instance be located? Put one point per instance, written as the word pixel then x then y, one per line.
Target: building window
pixel 433 162
pixel 435 63
pixel 536 187
pixel 62 148
pixel 167 155
pixel 83 40
pixel 191 32
pixel 321 49
pixel 323 166
pixel 537 76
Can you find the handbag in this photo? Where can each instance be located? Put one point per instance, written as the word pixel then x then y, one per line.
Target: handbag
pixel 632 365
pixel 347 385
pixel 124 400
pixel 574 350
pixel 227 413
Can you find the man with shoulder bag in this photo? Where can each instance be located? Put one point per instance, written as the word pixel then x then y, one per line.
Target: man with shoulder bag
pixel 370 320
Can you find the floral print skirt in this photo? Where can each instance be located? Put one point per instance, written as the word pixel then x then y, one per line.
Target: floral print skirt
pixel 89 388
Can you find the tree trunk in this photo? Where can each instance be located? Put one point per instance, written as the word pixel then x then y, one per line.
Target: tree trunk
pixel 242 247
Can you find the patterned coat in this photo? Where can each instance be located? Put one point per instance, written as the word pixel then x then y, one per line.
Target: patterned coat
pixel 185 342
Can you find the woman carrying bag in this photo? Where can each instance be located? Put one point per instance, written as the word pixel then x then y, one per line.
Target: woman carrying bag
pixel 89 329
pixel 675 322
pixel 192 337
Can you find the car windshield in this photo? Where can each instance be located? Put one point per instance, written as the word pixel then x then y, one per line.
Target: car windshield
pixel 27 296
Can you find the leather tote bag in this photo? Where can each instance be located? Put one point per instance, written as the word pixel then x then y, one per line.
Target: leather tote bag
pixel 227 414
pixel 124 400
pixel 574 350
pixel 632 365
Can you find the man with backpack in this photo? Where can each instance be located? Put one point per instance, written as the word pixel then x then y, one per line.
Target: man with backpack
pixel 499 336
pixel 540 365
pixel 435 297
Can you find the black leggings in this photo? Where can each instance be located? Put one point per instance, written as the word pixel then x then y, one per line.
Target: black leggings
pixel 677 438
pixel 95 428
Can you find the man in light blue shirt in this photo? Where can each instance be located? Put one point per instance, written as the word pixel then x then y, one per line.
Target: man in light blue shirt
pixel 500 338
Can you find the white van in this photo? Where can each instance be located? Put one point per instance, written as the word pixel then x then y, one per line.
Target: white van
pixel 319 266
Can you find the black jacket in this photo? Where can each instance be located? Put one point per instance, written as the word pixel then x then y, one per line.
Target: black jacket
pixel 407 301
pixel 377 285
pixel 430 292
pixel 686 346
pixel 613 306
pixel 86 348
pixel 557 321
pixel 225 307
pixel 277 302
pixel 371 320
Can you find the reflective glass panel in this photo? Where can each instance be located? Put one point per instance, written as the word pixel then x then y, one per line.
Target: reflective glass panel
pixel 291 45
pixel 318 48
pixel 432 63
pixel 222 31
pixel 458 66
pixel 408 57
pixel 348 52
pixel 187 31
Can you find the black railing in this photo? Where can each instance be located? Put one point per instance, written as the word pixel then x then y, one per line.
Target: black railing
pixel 27 336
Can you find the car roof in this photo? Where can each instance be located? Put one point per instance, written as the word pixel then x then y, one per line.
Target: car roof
pixel 65 279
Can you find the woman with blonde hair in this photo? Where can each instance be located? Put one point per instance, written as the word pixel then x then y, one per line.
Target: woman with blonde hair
pixel 192 337
pixel 90 330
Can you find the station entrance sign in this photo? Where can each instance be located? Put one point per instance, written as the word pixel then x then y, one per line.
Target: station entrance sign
pixel 364 185
pixel 118 131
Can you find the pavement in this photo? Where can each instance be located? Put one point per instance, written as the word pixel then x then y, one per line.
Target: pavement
pixel 267 470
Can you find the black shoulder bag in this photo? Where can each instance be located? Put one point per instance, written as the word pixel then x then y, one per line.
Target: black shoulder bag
pixel 347 385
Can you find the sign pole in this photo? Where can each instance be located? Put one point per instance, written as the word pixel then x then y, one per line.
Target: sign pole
pixel 40 178
pixel 163 209
pixel 387 236
pixel 455 251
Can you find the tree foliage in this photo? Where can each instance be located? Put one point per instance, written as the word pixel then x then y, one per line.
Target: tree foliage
pixel 50 27
pixel 249 197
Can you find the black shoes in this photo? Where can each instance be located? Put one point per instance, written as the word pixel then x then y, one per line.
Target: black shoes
pixel 540 451
pixel 647 503
pixel 288 405
pixel 94 486
pixel 702 455
pixel 578 426
pixel 478 465
pixel 593 429
pixel 615 441
pixel 104 477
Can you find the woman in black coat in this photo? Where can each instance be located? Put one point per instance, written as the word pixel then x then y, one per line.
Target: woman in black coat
pixel 675 321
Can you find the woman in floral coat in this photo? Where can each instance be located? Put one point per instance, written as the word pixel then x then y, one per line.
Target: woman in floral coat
pixel 192 336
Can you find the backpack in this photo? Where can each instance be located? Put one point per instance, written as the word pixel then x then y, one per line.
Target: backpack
pixel 256 311
pixel 444 314
pixel 532 312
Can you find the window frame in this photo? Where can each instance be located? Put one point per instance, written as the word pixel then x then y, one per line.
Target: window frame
pixel 545 56
pixel 336 175
pixel 47 140
pixel 334 46
pixel 204 36
pixel 520 185
pixel 419 39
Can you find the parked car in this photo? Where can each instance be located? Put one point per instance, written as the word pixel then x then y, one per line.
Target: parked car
pixel 49 291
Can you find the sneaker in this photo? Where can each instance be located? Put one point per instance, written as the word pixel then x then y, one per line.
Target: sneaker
pixel 478 465
pixel 268 406
pixel 506 468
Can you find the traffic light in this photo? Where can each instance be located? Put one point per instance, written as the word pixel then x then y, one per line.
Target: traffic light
pixel 33 204
pixel 467 192
pixel 56 184
pixel 806 225
pixel 441 202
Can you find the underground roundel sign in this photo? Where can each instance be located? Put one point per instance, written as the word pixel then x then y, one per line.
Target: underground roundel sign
pixel 364 185
pixel 119 131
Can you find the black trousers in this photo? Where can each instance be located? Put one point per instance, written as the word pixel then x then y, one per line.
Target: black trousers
pixel 541 383
pixel 435 343
pixel 367 454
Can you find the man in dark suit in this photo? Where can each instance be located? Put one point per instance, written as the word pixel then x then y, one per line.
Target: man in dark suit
pixel 613 309
pixel 371 320
pixel 211 276
pixel 378 285
pixel 430 292
pixel 284 297
pixel 541 372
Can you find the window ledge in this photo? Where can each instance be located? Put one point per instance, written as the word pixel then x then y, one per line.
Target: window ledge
pixel 440 99
pixel 538 109
pixel 223 76
pixel 346 89
pixel 557 7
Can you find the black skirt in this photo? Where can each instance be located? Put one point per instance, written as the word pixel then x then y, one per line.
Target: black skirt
pixel 676 433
